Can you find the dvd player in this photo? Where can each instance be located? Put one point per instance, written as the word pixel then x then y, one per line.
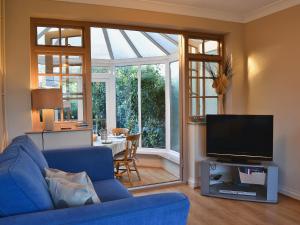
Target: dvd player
pixel 232 192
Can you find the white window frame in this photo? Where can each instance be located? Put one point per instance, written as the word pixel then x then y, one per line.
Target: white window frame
pixel 110 80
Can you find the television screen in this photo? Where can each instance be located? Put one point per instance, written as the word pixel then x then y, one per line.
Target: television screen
pixel 243 136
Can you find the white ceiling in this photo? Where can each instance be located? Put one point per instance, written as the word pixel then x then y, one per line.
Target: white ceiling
pixel 229 10
pixel 234 6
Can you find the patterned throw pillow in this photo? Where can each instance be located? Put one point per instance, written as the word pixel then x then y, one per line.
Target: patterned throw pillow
pixel 70 189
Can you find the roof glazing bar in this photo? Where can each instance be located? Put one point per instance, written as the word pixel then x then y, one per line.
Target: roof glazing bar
pixel 156 43
pixel 108 44
pixel 169 39
pixel 131 44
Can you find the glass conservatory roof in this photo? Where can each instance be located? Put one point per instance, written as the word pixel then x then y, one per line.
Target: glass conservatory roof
pixel 110 44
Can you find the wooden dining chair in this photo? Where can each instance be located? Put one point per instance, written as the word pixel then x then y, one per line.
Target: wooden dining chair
pixel 119 131
pixel 125 160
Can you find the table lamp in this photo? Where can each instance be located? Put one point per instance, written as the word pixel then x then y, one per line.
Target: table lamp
pixel 47 100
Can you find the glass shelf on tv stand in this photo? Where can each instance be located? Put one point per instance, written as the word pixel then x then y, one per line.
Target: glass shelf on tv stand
pixel 247 163
pixel 230 183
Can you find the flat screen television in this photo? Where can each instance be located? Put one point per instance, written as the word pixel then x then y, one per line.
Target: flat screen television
pixel 242 137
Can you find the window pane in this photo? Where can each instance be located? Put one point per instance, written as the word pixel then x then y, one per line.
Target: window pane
pixel 209 90
pixel 51 36
pixel 211 47
pixel 174 37
pixel 144 46
pixel 194 65
pixel 98 45
pixel 196 106
pixel 48 64
pixel 71 64
pixel 195 46
pixel 174 106
pixel 211 105
pixel 127 97
pixel 196 69
pixel 196 90
pixel 193 106
pixel 153 106
pixel 164 42
pixel 75 41
pixel 47 36
pixel 211 67
pixel 63 41
pixel 119 45
pixel 73 109
pixel 99 106
pixel 49 81
pixel 71 85
pixel 72 37
pixel 55 41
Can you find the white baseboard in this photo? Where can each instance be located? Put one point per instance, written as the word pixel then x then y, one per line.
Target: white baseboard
pixel 194 182
pixel 290 192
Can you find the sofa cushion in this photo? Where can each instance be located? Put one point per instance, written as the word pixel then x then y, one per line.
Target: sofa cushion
pixel 67 194
pixel 23 188
pixel 80 178
pixel 110 190
pixel 32 150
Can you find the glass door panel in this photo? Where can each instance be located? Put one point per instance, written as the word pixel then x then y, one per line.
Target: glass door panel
pixel 153 106
pixel 127 97
pixel 174 106
pixel 99 105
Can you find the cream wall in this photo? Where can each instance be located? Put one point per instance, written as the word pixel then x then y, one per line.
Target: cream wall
pixel 271 44
pixel 273 51
pixel 18 51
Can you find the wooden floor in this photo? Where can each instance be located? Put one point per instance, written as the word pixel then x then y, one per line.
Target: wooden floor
pixel 216 211
pixel 149 175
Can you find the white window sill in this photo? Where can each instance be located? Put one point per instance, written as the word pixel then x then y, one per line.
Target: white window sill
pixel 171 155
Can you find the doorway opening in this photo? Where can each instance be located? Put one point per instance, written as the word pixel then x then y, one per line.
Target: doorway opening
pixel 135 85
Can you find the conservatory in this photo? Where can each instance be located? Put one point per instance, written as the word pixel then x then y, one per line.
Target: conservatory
pixel 135 84
pixel 119 78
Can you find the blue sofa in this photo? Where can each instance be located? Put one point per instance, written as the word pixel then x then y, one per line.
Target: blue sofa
pixel 24 196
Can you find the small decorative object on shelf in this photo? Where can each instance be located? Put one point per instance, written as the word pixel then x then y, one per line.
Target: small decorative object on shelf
pixel 221 80
pixel 103 134
pixel 252 175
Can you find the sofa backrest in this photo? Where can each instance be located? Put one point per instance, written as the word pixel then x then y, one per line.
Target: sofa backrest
pixel 32 150
pixel 23 188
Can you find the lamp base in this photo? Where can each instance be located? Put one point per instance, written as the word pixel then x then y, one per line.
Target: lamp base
pixel 48 117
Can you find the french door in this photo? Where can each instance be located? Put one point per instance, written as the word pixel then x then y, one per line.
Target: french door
pixel 103 98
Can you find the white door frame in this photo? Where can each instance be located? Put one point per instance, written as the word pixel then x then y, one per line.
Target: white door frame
pixel 110 95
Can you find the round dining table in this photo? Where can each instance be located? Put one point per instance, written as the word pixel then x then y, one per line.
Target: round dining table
pixel 118 143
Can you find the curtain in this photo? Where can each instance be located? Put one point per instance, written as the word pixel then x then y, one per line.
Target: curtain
pixel 3 131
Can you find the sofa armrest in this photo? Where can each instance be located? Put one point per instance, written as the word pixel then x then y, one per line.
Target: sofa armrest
pixel 158 209
pixel 96 161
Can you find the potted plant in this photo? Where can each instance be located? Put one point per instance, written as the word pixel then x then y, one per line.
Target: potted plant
pixel 221 80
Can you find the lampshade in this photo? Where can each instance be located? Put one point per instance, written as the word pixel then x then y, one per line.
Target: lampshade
pixel 46 98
